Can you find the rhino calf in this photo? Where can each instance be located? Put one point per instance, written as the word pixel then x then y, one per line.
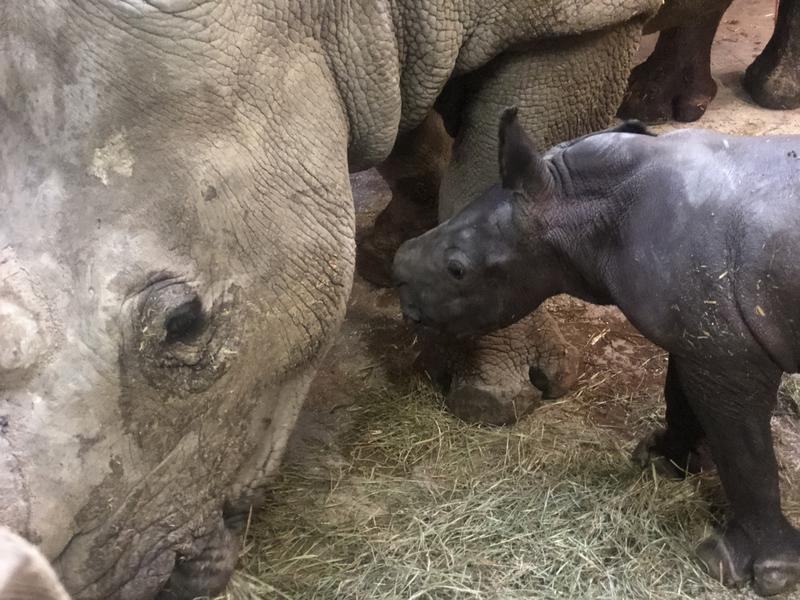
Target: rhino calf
pixel 694 235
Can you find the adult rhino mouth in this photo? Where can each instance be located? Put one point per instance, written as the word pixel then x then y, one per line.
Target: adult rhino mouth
pixel 207 572
pixel 197 562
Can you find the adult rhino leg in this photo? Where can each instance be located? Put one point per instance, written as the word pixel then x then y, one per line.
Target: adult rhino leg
pixel 489 379
pixel 413 171
pixel 773 80
pixel 564 89
pixel 675 81
pixel 678 448
pixel 733 401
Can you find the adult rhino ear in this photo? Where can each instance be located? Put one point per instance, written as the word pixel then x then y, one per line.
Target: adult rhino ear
pixel 521 167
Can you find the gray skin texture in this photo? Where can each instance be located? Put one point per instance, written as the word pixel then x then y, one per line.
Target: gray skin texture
pixel 694 236
pixel 176 246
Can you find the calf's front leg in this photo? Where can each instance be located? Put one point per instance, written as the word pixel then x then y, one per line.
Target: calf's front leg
pixel 733 402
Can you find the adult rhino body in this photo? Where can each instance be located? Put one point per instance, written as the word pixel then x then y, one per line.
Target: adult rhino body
pixel 694 236
pixel 176 241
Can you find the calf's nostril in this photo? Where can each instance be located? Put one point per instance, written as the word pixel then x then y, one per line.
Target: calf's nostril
pixel 20 339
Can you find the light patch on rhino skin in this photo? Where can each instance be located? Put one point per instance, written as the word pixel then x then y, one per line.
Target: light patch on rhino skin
pixel 113 157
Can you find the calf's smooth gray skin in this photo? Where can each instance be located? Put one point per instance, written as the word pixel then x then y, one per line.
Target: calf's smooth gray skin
pixel 176 241
pixel 694 235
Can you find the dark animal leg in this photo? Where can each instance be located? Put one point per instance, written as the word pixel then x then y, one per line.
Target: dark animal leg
pixel 734 403
pixel 678 449
pixel 413 171
pixel 675 81
pixel 773 80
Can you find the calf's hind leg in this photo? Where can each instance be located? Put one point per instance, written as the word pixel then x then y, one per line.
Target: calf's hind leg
pixel 676 449
pixel 734 403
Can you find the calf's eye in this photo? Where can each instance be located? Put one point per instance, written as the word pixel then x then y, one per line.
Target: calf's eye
pixel 456 269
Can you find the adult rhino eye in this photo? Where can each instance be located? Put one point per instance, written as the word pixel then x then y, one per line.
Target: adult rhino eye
pixel 178 341
pixel 456 269
pixel 172 313
pixel 185 321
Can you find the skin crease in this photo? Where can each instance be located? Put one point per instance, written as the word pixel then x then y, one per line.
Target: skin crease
pixel 696 244
pixel 176 249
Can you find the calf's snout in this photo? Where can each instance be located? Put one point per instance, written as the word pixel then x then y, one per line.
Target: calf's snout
pixel 402 264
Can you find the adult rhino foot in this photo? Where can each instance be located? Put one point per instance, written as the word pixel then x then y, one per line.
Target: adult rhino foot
pixel 670 459
pixel 204 569
pixel 491 405
pixel 773 79
pixel 411 212
pixel 675 81
pixel 734 559
pixel 374 255
pixel 413 172
pixel 660 91
pixel 498 378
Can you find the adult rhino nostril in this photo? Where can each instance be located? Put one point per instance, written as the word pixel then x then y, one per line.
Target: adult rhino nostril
pixel 20 339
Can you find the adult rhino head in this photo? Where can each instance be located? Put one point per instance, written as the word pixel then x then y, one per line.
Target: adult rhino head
pixel 172 266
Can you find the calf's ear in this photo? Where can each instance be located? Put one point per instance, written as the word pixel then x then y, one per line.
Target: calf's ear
pixel 522 169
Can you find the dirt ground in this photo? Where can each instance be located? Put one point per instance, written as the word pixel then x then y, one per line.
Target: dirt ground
pixel 616 400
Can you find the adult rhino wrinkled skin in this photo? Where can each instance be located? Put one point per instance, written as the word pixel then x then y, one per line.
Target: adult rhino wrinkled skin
pixel 177 239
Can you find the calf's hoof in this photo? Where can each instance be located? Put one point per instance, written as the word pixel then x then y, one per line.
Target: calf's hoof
pixel 727 557
pixel 670 460
pixel 648 454
pixel 771 577
pixel 733 559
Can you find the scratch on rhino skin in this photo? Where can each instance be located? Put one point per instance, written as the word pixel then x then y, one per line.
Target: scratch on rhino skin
pixel 114 157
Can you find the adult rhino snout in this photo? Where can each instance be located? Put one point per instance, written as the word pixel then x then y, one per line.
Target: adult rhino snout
pixel 21 343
